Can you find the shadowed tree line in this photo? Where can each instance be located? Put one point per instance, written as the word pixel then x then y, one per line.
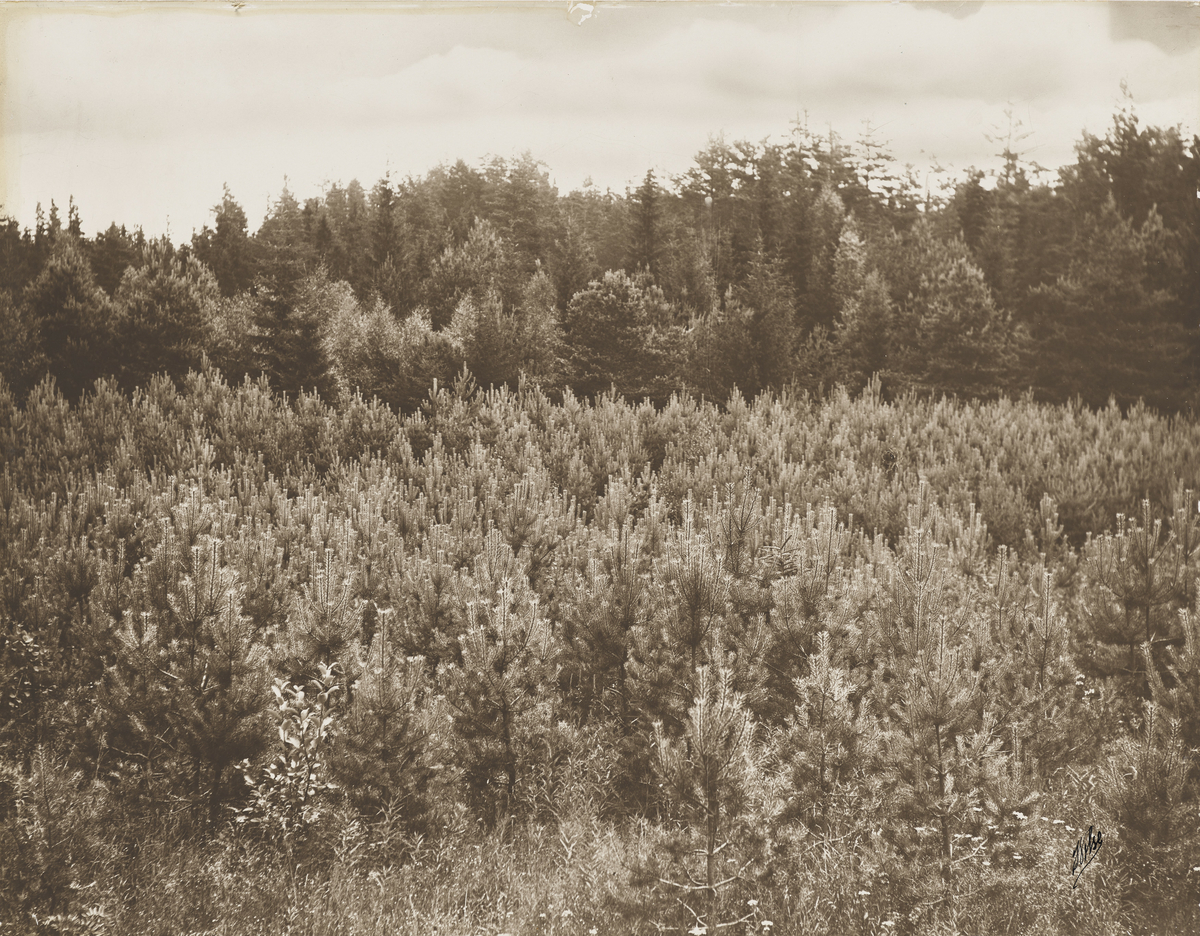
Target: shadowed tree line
pixel 805 263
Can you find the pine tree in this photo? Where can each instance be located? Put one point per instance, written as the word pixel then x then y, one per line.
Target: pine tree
pixel 498 693
pixel 188 690
pixel 949 335
pixel 712 778
pixel 1134 576
pixel 645 245
pixel 165 308
pixel 228 250
pixel 830 741
pixel 933 644
pixel 1103 329
pixel 74 318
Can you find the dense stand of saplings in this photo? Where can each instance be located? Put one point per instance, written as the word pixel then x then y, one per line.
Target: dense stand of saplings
pixel 840 665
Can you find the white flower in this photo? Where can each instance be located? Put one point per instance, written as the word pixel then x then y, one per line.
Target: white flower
pixel 698 930
pixel 1060 822
pixel 751 903
pixel 888 923
pixel 1019 815
pixel 864 893
pixel 566 914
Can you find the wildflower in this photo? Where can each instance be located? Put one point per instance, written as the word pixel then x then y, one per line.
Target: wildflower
pixel 567 914
pixel 1060 822
pixel 1019 815
pixel 767 924
pixel 973 809
pixel 888 923
pixel 698 930
pixel 751 903
pixel 864 893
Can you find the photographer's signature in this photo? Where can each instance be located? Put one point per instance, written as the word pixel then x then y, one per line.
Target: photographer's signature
pixel 1085 853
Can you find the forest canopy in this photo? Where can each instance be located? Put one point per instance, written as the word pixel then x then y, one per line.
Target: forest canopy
pixel 805 264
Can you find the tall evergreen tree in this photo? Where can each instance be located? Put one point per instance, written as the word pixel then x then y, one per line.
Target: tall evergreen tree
pixel 644 247
pixel 1102 328
pixel 164 313
pixel 74 318
pixel 227 251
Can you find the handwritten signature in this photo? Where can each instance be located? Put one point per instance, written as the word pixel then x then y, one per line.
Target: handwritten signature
pixel 1085 853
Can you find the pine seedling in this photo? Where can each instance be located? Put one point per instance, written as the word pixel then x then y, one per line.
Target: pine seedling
pixel 325 623
pixel 499 689
pixel 830 739
pixel 388 731
pixel 711 779
pixel 1177 691
pixel 694 590
pixel 1134 576
pixel 1144 787
pixel 933 642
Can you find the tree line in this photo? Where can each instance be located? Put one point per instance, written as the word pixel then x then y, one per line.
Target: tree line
pixel 805 264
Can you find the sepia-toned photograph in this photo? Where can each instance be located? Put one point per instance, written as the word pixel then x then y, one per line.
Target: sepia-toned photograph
pixel 599 468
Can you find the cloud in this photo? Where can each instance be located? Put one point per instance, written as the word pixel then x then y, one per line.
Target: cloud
pixel 148 114
pixel 962 9
pixel 1173 26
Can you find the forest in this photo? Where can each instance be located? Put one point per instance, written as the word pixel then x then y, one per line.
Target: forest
pixel 786 547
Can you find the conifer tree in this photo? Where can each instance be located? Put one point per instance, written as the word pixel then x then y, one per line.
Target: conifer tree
pixel 389 733
pixel 711 777
pixel 949 335
pixel 645 246
pixel 930 698
pixel 185 698
pixel 227 250
pixel 830 742
pixel 21 357
pixel 1135 575
pixel 73 317
pixel 498 692
pixel 165 310
pixel 325 623
pixel 1103 328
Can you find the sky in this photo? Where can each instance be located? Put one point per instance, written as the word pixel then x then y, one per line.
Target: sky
pixel 143 111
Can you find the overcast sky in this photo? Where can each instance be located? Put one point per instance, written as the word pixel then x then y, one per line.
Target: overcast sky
pixel 142 113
